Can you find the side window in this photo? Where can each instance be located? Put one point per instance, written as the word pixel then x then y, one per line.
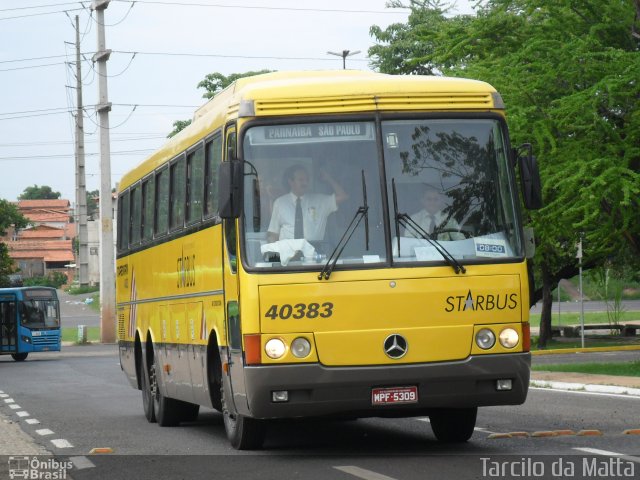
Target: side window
pixel 178 193
pixel 162 202
pixel 148 198
pixel 195 184
pixel 136 215
pixel 213 153
pixel 124 221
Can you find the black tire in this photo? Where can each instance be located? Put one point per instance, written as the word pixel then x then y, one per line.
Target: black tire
pixel 20 357
pixel 214 374
pixel 453 425
pixel 168 412
pixel 189 411
pixel 147 396
pixel 244 433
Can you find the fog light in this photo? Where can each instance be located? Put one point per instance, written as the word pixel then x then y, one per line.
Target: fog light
pixel 504 384
pixel 300 347
pixel 509 338
pixel 275 348
pixel 485 339
pixel 280 396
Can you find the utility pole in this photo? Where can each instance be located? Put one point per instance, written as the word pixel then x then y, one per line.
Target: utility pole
pixel 344 54
pixel 107 260
pixel 81 188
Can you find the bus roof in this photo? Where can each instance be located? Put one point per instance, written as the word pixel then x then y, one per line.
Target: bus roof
pixel 322 92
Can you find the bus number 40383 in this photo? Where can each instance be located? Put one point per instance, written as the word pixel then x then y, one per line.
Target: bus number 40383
pixel 300 310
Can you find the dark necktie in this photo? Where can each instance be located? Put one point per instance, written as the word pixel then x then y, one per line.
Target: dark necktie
pixel 298 228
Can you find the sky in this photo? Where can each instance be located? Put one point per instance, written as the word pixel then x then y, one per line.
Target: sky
pixel 161 50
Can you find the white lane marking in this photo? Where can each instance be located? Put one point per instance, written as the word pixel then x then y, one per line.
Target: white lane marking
pixel 32 421
pixel 9 400
pixel 61 443
pixel 363 473
pixel 4 395
pixel 606 453
pixel 580 392
pixel 14 406
pixel 44 431
pixel 80 463
pixel 22 414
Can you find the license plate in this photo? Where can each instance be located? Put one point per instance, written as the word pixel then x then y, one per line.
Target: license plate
pixel 36 334
pixel 394 395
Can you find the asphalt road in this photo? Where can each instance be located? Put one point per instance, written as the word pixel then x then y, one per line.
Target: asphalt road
pixel 82 397
pixel 74 311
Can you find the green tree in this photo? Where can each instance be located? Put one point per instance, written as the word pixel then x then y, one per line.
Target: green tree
pixel 568 72
pixel 9 217
pixel 35 192
pixel 212 84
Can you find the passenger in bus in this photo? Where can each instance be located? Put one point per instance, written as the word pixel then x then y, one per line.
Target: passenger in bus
pixel 433 219
pixel 300 214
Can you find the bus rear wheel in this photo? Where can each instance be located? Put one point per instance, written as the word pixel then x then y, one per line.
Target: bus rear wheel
pixel 453 425
pixel 147 396
pixel 20 357
pixel 244 433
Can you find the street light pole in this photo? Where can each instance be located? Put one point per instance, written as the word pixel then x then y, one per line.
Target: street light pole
pixel 344 54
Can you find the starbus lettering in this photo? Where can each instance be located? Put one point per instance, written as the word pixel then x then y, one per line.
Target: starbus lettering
pixel 186 271
pixel 499 301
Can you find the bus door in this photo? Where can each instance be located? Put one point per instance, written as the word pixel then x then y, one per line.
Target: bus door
pixel 8 324
pixel 235 360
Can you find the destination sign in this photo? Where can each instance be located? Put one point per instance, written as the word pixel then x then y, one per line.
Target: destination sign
pixel 310 133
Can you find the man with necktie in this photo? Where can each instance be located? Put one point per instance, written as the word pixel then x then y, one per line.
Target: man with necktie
pixel 432 219
pixel 299 213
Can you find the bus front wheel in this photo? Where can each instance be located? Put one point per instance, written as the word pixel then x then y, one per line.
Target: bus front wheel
pixel 453 425
pixel 20 357
pixel 244 433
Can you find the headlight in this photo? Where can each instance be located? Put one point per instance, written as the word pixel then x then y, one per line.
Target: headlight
pixel 485 339
pixel 275 348
pixel 300 347
pixel 509 338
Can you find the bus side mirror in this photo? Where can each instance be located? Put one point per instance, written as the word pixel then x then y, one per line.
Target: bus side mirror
pixel 230 180
pixel 529 178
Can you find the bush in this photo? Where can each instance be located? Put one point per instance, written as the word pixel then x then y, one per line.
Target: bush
pixel 55 280
pixel 76 290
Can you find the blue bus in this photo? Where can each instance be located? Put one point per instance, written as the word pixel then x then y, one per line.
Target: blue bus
pixel 29 321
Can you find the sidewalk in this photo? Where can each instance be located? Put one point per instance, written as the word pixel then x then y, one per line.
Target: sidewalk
pixel 586 382
pixel 13 441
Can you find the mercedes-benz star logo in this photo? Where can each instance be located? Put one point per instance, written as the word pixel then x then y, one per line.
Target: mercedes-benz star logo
pixel 395 346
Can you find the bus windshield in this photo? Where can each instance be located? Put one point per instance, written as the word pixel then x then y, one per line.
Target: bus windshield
pixel 444 180
pixel 39 313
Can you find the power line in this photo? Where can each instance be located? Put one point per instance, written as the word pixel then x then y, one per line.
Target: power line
pixel 40 14
pixel 37 6
pixel 70 155
pixel 257 7
pixel 218 55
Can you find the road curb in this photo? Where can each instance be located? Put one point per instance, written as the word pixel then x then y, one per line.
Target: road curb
pixel 585 387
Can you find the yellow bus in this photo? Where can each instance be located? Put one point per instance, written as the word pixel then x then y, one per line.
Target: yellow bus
pixel 329 244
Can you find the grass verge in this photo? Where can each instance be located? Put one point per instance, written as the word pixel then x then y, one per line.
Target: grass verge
pixel 590 341
pixel 627 369
pixel 590 318
pixel 70 334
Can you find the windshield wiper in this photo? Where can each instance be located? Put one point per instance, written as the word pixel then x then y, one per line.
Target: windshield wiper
pixel 362 212
pixel 404 220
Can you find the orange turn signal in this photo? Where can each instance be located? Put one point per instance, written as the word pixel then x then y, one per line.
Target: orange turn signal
pixel 526 337
pixel 253 349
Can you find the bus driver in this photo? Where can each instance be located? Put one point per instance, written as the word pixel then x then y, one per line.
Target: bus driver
pixel 299 214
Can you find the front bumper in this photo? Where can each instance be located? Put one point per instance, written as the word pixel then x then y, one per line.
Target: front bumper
pixel 315 390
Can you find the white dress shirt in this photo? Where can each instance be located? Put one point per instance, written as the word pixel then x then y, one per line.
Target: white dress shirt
pixel 316 208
